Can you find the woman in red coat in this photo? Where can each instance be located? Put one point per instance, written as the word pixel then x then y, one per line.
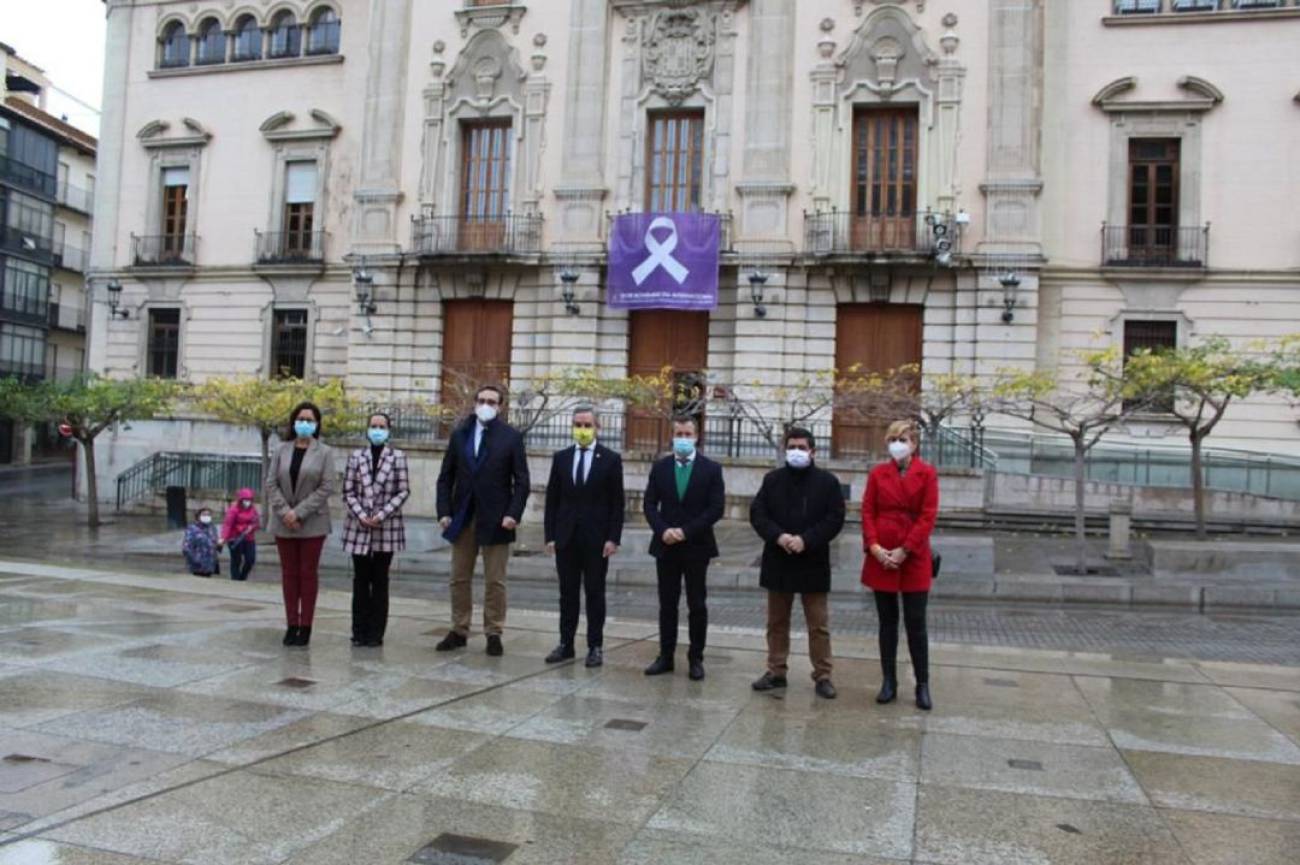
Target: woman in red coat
pixel 899 507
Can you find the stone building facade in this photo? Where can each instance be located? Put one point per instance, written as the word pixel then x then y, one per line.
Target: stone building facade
pixel 1106 172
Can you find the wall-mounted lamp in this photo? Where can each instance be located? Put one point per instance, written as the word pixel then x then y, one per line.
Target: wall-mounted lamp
pixel 115 309
pixel 1010 294
pixel 568 279
pixel 364 284
pixel 757 280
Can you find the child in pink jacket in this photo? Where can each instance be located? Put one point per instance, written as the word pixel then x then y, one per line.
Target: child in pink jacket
pixel 239 534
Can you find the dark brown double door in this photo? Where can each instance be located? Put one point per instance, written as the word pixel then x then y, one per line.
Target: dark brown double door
pixel 871 338
pixel 475 349
pixel 659 339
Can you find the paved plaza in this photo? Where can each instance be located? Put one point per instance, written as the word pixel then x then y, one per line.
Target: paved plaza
pixel 156 718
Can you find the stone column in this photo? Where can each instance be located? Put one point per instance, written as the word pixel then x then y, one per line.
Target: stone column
pixel 765 188
pixel 824 76
pixel 378 191
pixel 582 186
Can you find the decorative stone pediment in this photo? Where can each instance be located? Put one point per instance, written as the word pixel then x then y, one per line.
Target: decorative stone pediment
pixel 490 17
pixel 887 50
pixel 277 127
pixel 678 51
pixel 487 70
pixel 1201 96
pixel 153 134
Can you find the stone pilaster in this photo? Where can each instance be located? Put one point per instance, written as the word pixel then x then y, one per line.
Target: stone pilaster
pixel 582 186
pixel 378 191
pixel 765 188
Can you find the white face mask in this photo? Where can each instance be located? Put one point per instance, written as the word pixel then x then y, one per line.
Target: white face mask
pixel 205 519
pixel 798 459
pixel 485 413
pixel 900 450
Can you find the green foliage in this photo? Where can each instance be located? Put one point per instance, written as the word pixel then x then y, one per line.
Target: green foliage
pixel 18 400
pixel 265 403
pixel 1198 382
pixel 90 404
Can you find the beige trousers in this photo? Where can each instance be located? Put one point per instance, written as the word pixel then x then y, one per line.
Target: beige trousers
pixel 816 611
pixel 464 553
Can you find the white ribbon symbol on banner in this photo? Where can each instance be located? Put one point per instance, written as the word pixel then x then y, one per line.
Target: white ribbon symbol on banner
pixel 661 254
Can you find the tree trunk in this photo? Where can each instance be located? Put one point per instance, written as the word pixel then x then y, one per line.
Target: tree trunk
pixel 92 483
pixel 266 462
pixel 1198 486
pixel 1080 523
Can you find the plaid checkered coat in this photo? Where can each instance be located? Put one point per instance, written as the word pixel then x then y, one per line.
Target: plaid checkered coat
pixel 381 494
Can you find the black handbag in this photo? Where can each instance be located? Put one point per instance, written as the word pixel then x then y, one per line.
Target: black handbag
pixel 936 561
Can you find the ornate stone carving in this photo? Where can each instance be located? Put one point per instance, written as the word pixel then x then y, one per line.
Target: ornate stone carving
pixel 490 17
pixel 886 52
pixel 678 52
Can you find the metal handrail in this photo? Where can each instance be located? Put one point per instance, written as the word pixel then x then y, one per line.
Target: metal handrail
pixel 163 250
pixel 289 247
pixel 191 470
pixel 1154 245
pixel 498 234
pixel 842 232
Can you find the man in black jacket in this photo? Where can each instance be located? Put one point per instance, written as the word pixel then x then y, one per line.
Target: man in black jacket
pixel 584 527
pixel 685 496
pixel 798 511
pixel 482 490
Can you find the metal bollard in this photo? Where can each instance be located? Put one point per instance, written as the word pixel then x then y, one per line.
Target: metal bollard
pixel 1121 529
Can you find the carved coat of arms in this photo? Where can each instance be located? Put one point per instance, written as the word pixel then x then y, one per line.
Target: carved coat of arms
pixel 678 52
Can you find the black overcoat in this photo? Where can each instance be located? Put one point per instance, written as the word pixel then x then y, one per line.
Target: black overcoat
pixel 487 488
pixel 808 503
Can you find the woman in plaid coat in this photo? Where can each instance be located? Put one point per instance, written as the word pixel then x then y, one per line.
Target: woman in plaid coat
pixel 375 486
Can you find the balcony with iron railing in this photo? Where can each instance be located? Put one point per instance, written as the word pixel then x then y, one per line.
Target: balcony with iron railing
pixel 70 257
pixel 75 198
pixel 506 236
pixel 1165 246
pixel 27 244
pixel 21 369
pixel 1196 10
pixel 844 233
pixel 163 250
pixel 64 317
pixel 24 176
pixel 289 247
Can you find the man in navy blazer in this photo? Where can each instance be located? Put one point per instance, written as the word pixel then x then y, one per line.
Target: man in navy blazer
pixel 684 497
pixel 482 490
pixel 583 528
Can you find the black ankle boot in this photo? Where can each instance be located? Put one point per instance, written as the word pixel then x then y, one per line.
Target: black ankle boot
pixel 888 691
pixel 923 696
pixel 304 636
pixel 291 636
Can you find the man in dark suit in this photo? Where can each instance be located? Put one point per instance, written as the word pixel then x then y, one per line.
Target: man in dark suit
pixel 685 496
pixel 584 527
pixel 482 490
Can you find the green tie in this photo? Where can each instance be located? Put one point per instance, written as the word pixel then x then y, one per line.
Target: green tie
pixel 683 470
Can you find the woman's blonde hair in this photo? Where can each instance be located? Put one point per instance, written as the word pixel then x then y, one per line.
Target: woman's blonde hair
pixel 900 428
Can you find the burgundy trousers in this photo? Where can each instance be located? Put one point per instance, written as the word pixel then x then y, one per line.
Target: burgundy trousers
pixel 299 577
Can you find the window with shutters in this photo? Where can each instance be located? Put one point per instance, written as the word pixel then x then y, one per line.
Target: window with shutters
pixel 175 207
pixel 164 342
pixel 299 208
pixel 289 343
pixel 1153 198
pixel 884 179
pixel 484 184
pixel 674 161
pixel 1154 337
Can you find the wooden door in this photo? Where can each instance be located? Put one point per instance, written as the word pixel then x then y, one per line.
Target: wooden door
pixel 1153 199
pixel 659 338
pixel 674 161
pixel 884 179
pixel 874 338
pixel 475 350
pixel 484 185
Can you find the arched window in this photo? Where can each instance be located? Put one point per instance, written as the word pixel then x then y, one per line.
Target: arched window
pixel 248 39
pixel 175 46
pixel 323 35
pixel 212 43
pixel 286 36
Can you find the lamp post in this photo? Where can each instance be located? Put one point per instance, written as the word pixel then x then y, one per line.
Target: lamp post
pixel 115 309
pixel 568 279
pixel 757 280
pixel 1010 294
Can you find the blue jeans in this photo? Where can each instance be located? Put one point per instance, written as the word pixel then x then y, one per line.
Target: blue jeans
pixel 243 554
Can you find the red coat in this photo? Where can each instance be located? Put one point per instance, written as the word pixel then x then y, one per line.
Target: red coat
pixel 900 511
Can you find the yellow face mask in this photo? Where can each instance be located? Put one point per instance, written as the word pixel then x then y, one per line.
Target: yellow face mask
pixel 584 436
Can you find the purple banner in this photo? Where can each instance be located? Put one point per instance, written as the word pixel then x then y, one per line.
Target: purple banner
pixel 664 261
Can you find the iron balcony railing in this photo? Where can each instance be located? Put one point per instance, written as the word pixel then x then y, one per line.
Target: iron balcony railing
pixel 70 257
pixel 195 471
pixel 290 247
pixel 64 317
pixel 840 232
pixel 27 244
pixel 21 174
pixel 503 235
pixel 1154 245
pixel 21 369
pixel 76 198
pixel 163 250
pixel 726 233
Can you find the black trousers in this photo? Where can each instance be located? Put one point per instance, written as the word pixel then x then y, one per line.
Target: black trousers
pixel 370 595
pixel 582 569
pixel 672 573
pixel 918 641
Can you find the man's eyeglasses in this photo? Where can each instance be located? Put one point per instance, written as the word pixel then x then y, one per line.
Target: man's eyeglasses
pixel 492 401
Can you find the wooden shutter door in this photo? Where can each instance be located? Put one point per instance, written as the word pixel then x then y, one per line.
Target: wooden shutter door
pixel 484 185
pixel 476 339
pixel 659 338
pixel 876 338
pixel 884 179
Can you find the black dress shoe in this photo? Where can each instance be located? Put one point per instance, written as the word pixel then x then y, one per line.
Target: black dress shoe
pixel 825 689
pixel 697 671
pixel 373 644
pixel 494 647
pixel 595 656
pixel 290 636
pixel 304 636
pixel 888 691
pixel 768 682
pixel 560 653
pixel 452 641
pixel 660 666
pixel 357 641
pixel 923 697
